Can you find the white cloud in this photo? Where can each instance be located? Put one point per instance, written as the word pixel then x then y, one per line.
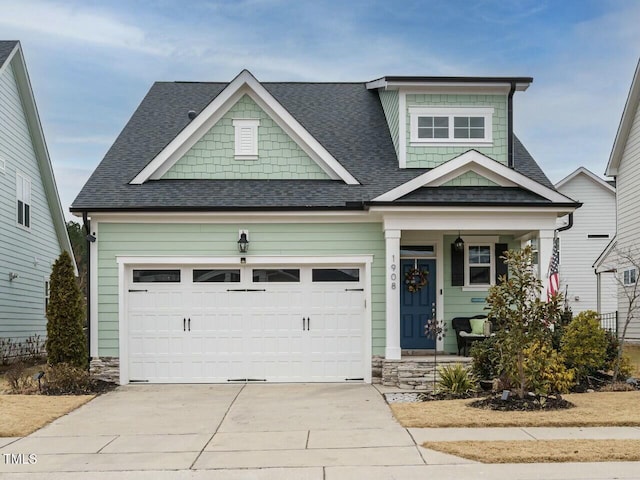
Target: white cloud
pixel 78 24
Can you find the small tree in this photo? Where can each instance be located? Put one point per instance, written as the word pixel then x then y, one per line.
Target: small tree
pixel 523 317
pixel 66 342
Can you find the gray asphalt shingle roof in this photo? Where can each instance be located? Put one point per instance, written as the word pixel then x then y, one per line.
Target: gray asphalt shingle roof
pixel 346 118
pixel 6 47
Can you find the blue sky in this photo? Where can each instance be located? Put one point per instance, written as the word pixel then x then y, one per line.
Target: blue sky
pixel 91 62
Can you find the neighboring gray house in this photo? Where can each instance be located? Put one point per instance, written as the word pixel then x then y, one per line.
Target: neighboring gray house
pixel 32 225
pixel 594 225
pixel 624 166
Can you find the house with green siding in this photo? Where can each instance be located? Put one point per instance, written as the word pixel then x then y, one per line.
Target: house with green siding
pixel 32 225
pixel 299 232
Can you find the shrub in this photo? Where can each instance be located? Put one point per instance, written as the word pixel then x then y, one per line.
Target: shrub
pixel 486 359
pixel 66 379
pixel 545 370
pixel 455 380
pixel 20 382
pixel 584 344
pixel 626 367
pixel 66 342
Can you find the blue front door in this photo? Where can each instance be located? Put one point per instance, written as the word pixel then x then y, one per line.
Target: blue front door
pixel 416 307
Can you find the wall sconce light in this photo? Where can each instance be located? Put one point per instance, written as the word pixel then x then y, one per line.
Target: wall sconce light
pixel 243 241
pixel 12 276
pixel 458 243
pixel 90 238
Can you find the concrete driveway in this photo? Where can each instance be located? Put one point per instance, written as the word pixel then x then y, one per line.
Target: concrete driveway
pixel 261 432
pixel 176 427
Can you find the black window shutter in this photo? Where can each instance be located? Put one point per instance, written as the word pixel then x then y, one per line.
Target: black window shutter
pixel 501 267
pixel 457 267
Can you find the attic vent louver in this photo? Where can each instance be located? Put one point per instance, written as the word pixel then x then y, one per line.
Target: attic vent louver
pixel 192 114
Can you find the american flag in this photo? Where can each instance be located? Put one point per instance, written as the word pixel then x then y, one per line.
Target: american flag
pixel 554 278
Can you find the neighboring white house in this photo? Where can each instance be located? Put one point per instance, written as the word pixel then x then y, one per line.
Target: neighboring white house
pixel 594 225
pixel 624 166
pixel 32 226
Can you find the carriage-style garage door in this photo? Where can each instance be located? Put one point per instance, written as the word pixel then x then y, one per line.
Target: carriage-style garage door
pixel 237 323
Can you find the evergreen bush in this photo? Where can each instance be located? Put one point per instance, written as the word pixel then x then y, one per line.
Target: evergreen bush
pixel 584 344
pixel 66 342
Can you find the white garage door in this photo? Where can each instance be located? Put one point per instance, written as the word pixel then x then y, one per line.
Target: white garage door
pixel 246 323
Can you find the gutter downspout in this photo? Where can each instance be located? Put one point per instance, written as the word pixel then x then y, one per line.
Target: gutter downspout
pixel 512 90
pixel 568 225
pixel 87 231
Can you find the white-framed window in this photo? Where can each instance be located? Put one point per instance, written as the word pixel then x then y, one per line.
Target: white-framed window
pixel 246 138
pixel 629 276
pixel 451 125
pixel 47 293
pixel 479 265
pixel 23 200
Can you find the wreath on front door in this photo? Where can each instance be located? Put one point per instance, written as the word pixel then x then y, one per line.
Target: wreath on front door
pixel 415 279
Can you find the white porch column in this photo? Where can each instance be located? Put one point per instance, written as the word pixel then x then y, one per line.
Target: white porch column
pixel 394 283
pixel 545 248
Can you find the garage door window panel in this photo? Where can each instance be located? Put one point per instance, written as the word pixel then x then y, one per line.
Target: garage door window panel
pixel 156 276
pixel 276 275
pixel 336 275
pixel 216 276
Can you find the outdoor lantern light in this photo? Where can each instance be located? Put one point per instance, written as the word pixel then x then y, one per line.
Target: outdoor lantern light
pixel 458 243
pixel 243 242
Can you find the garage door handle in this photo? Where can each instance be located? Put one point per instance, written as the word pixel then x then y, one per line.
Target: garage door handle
pixel 308 323
pixel 303 319
pixel 184 324
pixel 189 324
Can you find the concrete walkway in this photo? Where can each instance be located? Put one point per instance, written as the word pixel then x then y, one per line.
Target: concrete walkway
pixel 313 431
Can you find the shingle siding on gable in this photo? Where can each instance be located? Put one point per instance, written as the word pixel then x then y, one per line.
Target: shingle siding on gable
pixel 26 253
pixel 470 179
pixel 279 157
pixel 628 191
pixel 389 101
pixel 432 156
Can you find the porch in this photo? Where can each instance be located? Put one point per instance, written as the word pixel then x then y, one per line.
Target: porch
pixel 412 372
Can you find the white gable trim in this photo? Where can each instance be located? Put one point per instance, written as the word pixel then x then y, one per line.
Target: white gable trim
pixel 481 164
pixel 245 83
pixel 589 174
pixel 626 122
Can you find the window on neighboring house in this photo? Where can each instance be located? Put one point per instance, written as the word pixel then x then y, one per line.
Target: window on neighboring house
pixel 246 138
pixel 47 291
pixel 23 200
pixel 451 125
pixel 629 276
pixel 479 265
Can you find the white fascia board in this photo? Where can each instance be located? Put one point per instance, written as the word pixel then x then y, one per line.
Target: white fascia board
pixel 244 217
pixel 375 84
pixel 249 260
pixel 605 254
pixel 624 127
pixel 587 173
pixel 244 83
pixel 465 162
pixel 16 59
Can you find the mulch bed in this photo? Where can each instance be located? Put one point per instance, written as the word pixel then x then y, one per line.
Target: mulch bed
pixel 526 404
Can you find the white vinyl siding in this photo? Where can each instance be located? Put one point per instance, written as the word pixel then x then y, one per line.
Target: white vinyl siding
pixel 579 252
pixel 28 253
pixel 628 190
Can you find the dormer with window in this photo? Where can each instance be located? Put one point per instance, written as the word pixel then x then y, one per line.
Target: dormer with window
pixel 435 119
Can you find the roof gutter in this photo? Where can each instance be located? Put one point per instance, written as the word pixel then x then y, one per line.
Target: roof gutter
pixel 512 90
pixel 568 225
